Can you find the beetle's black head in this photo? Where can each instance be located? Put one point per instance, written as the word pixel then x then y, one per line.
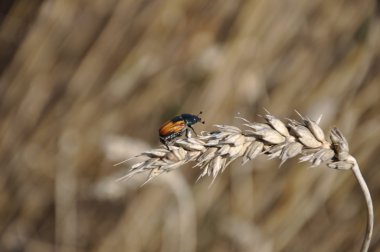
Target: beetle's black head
pixel 192 119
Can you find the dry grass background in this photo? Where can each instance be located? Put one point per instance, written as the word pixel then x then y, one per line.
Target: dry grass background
pixel 85 84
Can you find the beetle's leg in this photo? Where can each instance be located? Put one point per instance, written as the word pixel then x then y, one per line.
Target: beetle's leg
pixel 166 144
pixel 163 141
pixel 193 130
pixel 187 133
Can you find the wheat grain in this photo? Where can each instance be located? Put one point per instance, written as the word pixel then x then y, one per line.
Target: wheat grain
pixel 214 151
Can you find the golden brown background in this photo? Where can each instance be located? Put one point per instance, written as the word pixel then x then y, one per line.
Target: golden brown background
pixel 86 83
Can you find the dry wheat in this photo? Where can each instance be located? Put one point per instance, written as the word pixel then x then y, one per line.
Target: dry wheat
pixel 214 151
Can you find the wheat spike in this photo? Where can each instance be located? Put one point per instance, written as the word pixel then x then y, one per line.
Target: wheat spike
pixel 213 151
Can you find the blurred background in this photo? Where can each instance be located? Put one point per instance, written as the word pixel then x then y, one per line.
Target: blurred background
pixel 86 84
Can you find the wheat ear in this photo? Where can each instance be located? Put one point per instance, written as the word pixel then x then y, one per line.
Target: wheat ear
pixel 214 151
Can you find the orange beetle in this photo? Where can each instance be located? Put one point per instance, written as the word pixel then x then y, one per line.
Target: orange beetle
pixel 177 126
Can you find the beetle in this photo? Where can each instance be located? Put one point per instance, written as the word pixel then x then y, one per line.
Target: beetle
pixel 177 126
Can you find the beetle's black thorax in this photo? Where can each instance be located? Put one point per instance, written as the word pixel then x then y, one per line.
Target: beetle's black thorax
pixel 190 119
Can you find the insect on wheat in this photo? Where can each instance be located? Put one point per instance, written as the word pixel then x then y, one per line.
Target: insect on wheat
pixel 213 151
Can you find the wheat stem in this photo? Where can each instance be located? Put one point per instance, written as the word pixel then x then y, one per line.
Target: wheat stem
pixel 370 216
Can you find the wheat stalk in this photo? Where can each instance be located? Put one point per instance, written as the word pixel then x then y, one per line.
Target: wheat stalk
pixel 214 151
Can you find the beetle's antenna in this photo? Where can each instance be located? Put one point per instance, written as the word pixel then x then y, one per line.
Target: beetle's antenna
pixel 200 113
